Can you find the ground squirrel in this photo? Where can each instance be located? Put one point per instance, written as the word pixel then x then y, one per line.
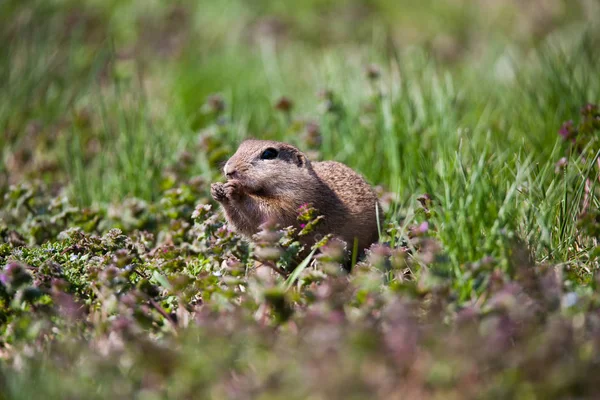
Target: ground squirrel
pixel 269 180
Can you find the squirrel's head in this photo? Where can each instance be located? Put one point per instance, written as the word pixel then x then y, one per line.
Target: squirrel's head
pixel 260 165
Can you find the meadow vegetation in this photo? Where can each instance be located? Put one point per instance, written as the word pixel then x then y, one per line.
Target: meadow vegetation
pixel 477 121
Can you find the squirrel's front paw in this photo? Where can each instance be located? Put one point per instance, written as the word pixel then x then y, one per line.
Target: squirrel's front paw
pixel 226 191
pixel 217 191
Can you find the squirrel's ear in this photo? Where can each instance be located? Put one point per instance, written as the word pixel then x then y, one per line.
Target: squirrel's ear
pixel 301 160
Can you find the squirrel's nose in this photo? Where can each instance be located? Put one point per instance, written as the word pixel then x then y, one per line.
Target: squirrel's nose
pixel 229 171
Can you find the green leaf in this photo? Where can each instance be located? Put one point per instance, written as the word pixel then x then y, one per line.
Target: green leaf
pixel 296 273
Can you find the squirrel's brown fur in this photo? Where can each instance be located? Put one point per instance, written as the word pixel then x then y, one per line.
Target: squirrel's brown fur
pixel 259 190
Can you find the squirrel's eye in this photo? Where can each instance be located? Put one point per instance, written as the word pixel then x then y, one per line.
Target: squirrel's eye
pixel 269 154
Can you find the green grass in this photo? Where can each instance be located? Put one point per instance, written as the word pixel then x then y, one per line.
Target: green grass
pixel 104 103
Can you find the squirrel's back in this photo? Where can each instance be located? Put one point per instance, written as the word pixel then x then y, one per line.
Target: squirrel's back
pixel 359 201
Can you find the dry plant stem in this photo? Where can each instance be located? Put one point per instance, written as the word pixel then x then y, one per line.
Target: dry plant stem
pixel 140 274
pixel 586 196
pixel 275 268
pixel 162 312
pixel 588 191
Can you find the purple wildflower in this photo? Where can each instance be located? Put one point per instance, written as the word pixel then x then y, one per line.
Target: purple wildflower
pixel 589 110
pixel 567 130
pixel 284 104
